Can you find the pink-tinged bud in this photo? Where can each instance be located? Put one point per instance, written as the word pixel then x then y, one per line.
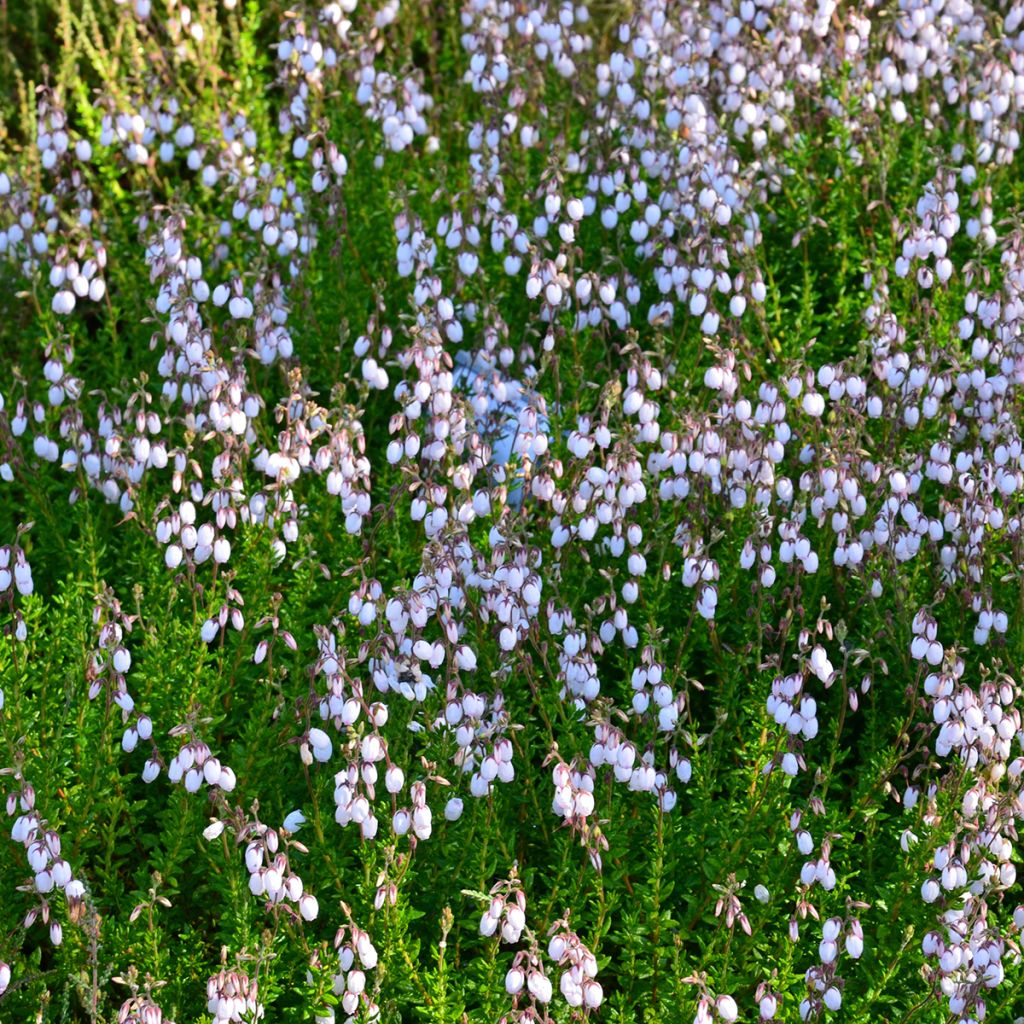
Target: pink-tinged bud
pixel 273 882
pixel 309 907
pixel 5 977
pixel 367 952
pixel 516 918
pixel 253 856
pixel 56 933
pixel 726 1007
pixel 514 981
pixel 571 989
pixel 855 940
pixel 539 986
pixel 293 822
pixel 453 809
pixel 213 830
pixel 768 1007
pixel 321 744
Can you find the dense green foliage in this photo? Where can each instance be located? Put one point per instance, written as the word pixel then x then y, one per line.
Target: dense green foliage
pixel 662 893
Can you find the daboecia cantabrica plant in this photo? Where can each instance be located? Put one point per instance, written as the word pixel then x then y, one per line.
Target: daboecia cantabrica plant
pixel 511 511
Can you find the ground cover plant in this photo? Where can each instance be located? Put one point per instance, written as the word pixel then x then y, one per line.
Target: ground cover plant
pixel 511 511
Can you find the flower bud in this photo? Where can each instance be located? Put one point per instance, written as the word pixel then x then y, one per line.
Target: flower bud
pixel 726 1007
pixel 394 779
pixel 539 986
pixel 213 830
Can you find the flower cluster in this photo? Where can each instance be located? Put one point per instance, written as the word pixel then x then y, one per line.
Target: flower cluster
pixel 142 1010
pixel 578 983
pixel 506 913
pixel 50 871
pixel 574 803
pixel 194 765
pixel 269 866
pixel 356 955
pixel 233 996
pixel 15 578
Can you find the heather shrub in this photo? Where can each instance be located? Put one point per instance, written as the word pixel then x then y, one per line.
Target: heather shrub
pixel 511 511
